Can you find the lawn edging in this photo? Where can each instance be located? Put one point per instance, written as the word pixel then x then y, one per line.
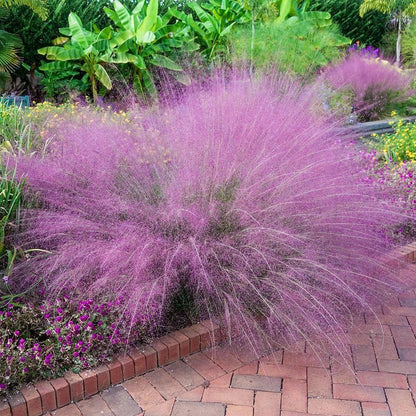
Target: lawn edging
pixel 49 395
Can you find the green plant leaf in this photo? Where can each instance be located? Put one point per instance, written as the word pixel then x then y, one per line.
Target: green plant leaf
pixel 165 62
pixel 102 76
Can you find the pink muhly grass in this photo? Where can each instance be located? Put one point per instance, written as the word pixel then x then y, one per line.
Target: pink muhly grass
pixel 238 194
pixel 375 84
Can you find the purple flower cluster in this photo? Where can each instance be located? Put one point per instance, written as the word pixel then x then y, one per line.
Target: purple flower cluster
pixel 44 340
pixel 368 51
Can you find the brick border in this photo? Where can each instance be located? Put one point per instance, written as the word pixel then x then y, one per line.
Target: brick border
pixel 49 395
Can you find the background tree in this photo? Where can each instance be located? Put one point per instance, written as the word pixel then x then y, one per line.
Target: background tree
pixel 399 10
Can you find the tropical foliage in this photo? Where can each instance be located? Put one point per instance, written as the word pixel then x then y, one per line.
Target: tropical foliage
pixel 397 9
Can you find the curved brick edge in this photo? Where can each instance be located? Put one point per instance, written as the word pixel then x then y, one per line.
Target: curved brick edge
pixel 44 396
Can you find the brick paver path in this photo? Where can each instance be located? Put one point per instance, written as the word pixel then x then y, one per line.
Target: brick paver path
pixel 221 381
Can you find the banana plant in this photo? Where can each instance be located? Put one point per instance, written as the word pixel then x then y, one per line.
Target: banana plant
pixel 144 40
pixel 82 50
pixel 290 8
pixel 215 21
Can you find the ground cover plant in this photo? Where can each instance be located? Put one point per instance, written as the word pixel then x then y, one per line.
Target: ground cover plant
pixel 237 199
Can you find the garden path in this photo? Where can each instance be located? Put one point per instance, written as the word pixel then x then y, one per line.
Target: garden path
pixel 222 381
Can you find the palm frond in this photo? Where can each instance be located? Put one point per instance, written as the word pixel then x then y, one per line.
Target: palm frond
pixel 38 6
pixel 9 48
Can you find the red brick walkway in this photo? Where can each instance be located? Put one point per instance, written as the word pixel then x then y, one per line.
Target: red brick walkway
pixel 223 382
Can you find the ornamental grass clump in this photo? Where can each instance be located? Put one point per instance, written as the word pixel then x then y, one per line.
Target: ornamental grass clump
pixel 372 85
pixel 237 196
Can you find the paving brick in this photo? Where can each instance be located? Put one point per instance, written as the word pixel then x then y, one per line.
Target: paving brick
pixel 343 373
pixel 246 354
pixel 233 410
pixel 228 396
pixel 47 395
pixel 62 393
pixel 256 382
pixel 407 301
pixel 194 395
pixel 94 406
pixel 224 357
pixel 375 409
pixel 267 404
pixel 89 379
pixel 185 374
pixel 282 370
pixel 403 336
pixel 364 358
pixel 197 408
pixel 103 377
pixel 204 334
pixel 249 369
pixel 139 361
pixel 399 367
pixel 358 392
pixel 400 402
pixel 385 348
pixel 223 381
pixel 33 401
pixel 161 351
pixel 69 410
pixel 194 339
pixel 407 354
pixel 76 386
pixel 275 358
pixel 18 405
pixel 173 347
pixel 166 385
pixel 306 359
pixel 386 319
pixel 127 366
pixel 294 395
pixel 183 340
pixel 163 409
pixel 116 372
pixel 5 408
pixel 359 338
pixel 334 407
pixel 382 379
pixel 402 310
pixel 120 402
pixel 204 366
pixel 150 355
pixel 143 392
pixel 319 383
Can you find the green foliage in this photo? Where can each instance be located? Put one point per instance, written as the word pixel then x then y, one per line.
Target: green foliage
pixel 409 45
pixel 85 51
pixel 399 146
pixel 36 33
pixel 368 30
pixel 37 6
pixel 9 48
pixel 214 23
pixel 146 41
pixel 300 45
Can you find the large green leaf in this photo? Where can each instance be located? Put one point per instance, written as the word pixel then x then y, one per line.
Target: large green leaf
pixel 149 21
pixel 9 48
pixel 57 66
pixel 284 10
pixel 123 15
pixel 165 62
pixel 79 34
pixel 102 76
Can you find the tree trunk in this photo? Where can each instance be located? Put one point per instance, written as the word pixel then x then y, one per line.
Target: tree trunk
pixel 399 40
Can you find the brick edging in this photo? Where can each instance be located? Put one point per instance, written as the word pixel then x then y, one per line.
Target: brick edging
pixel 44 396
